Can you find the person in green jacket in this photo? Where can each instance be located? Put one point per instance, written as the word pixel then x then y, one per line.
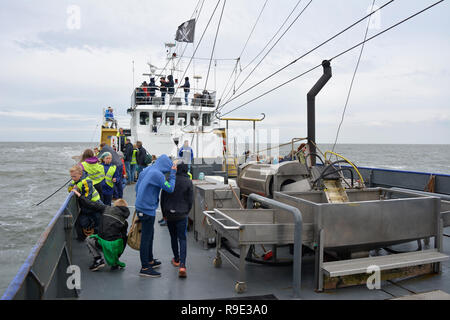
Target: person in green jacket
pixel 112 233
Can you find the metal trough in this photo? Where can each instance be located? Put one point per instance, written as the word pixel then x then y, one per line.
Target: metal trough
pixel 244 227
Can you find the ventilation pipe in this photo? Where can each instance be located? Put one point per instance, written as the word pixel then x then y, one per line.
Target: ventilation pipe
pixel 311 103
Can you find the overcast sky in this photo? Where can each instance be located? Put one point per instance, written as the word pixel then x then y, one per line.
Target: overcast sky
pixel 59 69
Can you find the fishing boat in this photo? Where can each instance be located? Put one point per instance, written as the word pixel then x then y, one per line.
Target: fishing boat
pixel 297 229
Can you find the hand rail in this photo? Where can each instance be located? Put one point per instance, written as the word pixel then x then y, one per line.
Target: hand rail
pixel 208 215
pixel 297 271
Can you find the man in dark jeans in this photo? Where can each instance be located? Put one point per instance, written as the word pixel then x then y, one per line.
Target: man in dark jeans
pixel 148 187
pixel 175 208
pixel 127 157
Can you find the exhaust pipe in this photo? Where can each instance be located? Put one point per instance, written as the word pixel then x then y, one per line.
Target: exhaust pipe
pixel 311 103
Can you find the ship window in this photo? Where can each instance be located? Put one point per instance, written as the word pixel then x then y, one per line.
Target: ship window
pixel 144 118
pixel 194 119
pixel 206 119
pixel 170 118
pixel 157 117
pixel 182 118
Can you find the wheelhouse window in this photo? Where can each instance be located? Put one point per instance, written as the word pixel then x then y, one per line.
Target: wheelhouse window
pixel 206 119
pixel 194 119
pixel 182 118
pixel 157 118
pixel 170 118
pixel 144 118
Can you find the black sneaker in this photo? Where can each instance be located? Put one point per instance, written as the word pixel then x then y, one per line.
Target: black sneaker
pixel 116 268
pixel 156 263
pixel 149 272
pixel 161 221
pixel 97 264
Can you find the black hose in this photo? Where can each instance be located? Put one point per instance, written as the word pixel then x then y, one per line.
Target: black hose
pixel 341 169
pixel 326 168
pixel 317 156
pixel 275 264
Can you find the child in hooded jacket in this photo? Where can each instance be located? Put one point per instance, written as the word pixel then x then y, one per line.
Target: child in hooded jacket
pixel 111 238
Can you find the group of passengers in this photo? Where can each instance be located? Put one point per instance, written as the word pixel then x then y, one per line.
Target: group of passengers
pixel 98 180
pixel 147 91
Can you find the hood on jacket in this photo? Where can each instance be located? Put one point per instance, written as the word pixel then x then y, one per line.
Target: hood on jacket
pixel 163 164
pixel 182 169
pixel 92 160
pixel 124 211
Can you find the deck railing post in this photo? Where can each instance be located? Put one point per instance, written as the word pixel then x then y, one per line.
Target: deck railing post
pixel 297 269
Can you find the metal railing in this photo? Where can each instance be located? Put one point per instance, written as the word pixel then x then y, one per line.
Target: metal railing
pixel 146 95
pixel 44 273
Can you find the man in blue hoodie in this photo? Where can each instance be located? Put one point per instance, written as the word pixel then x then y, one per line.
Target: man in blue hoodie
pixel 148 187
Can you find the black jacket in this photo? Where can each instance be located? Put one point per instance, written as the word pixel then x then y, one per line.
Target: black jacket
pixel 140 157
pixel 186 86
pixel 113 223
pixel 128 153
pixel 171 84
pixel 176 205
pixel 115 157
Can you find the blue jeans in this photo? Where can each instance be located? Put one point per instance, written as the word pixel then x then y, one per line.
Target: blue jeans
pixel 133 173
pixel 186 94
pixel 178 230
pixel 146 249
pixel 128 169
pixel 118 188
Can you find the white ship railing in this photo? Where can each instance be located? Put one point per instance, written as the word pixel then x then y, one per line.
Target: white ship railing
pixel 146 95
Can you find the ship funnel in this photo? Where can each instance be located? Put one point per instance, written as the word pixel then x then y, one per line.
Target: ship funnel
pixel 311 103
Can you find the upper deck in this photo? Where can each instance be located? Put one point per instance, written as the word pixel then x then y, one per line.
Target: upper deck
pixel 146 95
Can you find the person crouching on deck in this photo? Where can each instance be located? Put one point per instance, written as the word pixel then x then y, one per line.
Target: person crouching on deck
pixel 112 175
pixel 175 208
pixel 87 222
pixel 112 234
pixel 150 182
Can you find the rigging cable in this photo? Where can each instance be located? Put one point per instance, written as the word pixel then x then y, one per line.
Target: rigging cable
pixel 273 37
pixel 209 68
pixel 257 65
pixel 310 51
pixel 337 56
pixel 243 49
pixel 192 16
pixel 353 79
pixel 204 31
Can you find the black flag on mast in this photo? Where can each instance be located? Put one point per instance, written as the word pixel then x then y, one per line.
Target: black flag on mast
pixel 185 32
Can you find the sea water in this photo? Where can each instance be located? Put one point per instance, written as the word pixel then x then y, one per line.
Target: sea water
pixel 31 171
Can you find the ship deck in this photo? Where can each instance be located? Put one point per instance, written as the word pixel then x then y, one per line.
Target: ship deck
pixel 204 281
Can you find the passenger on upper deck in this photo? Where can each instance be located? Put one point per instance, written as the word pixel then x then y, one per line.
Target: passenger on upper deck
pixel 186 87
pixel 152 87
pixel 170 85
pixel 163 89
